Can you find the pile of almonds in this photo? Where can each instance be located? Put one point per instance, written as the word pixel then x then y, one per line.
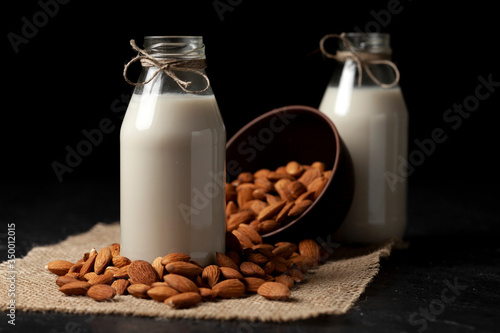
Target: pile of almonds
pixel 266 200
pixel 179 282
pixel 256 203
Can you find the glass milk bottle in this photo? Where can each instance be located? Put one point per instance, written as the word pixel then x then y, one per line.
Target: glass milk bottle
pixel 172 156
pixel 365 103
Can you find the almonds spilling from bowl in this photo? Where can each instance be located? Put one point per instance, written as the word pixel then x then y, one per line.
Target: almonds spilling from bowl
pixel 268 270
pixel 267 200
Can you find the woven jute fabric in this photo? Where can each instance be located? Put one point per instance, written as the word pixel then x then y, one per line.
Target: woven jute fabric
pixel 332 288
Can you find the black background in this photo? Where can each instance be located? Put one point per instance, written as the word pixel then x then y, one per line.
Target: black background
pixel 261 55
pixel 67 78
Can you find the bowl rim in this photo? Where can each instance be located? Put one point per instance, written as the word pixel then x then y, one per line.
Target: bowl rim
pixel 317 113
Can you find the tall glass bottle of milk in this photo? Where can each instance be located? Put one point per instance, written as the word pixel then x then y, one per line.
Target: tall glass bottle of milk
pixel 172 156
pixel 366 105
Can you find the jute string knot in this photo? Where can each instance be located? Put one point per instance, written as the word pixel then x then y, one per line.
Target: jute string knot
pixel 363 60
pixel 168 66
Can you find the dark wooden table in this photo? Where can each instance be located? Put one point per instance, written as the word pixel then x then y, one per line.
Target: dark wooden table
pixel 447 281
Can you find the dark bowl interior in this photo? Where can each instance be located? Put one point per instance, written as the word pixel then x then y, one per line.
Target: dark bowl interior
pixel 303 134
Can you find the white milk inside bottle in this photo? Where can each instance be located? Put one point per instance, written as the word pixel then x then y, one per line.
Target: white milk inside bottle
pixel 172 147
pixel 372 121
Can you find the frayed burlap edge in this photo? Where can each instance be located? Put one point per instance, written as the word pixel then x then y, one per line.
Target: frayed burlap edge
pixel 330 289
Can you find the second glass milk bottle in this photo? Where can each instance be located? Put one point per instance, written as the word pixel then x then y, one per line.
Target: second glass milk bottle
pixel 172 156
pixel 366 105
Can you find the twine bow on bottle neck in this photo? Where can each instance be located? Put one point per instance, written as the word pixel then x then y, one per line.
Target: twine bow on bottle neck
pixel 168 66
pixel 363 60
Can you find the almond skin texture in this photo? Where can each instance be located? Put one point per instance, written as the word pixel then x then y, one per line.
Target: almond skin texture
pixel 184 300
pixel 141 271
pixel 252 284
pixel 207 294
pixel 176 256
pixel 62 280
pixel 270 211
pixel 160 294
pixel 211 275
pixel 232 288
pixel 294 169
pixel 102 260
pixel 101 292
pixel 225 261
pixel 186 269
pixel 309 248
pixel 286 280
pixel 120 261
pixel 180 283
pixel 115 249
pixel 248 268
pixel 59 267
pixel 230 273
pixel 121 273
pixel 101 279
pixel 75 288
pixel 120 286
pixel 139 290
pixel 309 175
pixel 299 208
pixel 88 266
pixel 274 291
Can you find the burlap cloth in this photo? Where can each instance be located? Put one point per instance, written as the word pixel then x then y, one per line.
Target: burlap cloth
pixel 332 288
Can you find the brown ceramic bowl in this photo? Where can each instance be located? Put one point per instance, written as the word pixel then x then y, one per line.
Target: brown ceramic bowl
pixel 303 134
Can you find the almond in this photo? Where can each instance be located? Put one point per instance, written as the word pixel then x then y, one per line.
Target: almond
pixel 256 206
pixel 159 284
pixel 111 269
pixel 180 283
pixel 62 280
pixel 271 199
pixel 115 249
pixel 236 219
pixel 263 184
pixel 159 268
pixel 75 288
pixel 248 268
pixel 120 286
pixel 303 263
pixel 317 186
pixel 230 273
pixel 231 208
pixel 319 165
pixel 232 243
pixel 207 294
pixel 102 260
pixel 76 267
pixel 327 174
pixel 285 250
pixel 286 280
pixel 297 275
pixel 176 256
pixel 121 273
pixel 309 195
pixel 258 258
pixel 281 187
pixel 59 267
pixel 275 176
pixel 299 208
pixel 252 284
pixel 294 168
pixel 261 173
pixel 211 275
pixel 234 257
pixel 309 175
pixel 270 211
pixel 89 276
pixel 139 290
pixel 268 226
pixel 283 214
pixel 161 293
pixel 120 261
pixel 224 261
pixel 244 194
pixel 296 188
pixel 274 291
pixel 186 269
pixel 88 266
pixel 141 271
pixel 183 300
pixel 101 292
pixel 232 288
pixel 245 177
pixel 101 279
pixel 251 233
pixel 309 248
pixel 244 240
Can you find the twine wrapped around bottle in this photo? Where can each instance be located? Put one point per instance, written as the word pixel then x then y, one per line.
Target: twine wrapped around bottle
pixel 363 60
pixel 168 66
